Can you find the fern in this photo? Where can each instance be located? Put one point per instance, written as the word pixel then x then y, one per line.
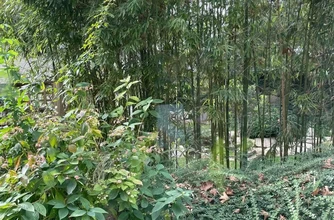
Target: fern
pixel 294 213
pixel 273 215
pixel 308 213
pixel 327 214
pixel 285 190
pixel 254 208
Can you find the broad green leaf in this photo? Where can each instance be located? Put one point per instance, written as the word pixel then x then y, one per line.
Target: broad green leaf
pixel 159 166
pixel 73 198
pixel 172 199
pixel 71 185
pixel 138 214
pixel 53 140
pixel 72 207
pixel 154 113
pixel 158 206
pixel 85 217
pixel 167 175
pixel 99 216
pixel 124 196
pixel 177 210
pixel 27 206
pixel 62 213
pixel 155 215
pixel 29 215
pixel 157 101
pixel 113 194
pixel 144 203
pixel 135 162
pixel 144 102
pixel 98 210
pixel 123 216
pixel 78 213
pixel 85 203
pixel 12 53
pixel 144 115
pixel 147 192
pixel 40 208
pixel 158 191
pixel 98 188
pixel 59 205
pixel 91 214
pixel 136 112
pixel 152 173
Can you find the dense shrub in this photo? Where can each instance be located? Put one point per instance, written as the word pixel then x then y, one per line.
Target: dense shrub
pixel 66 167
pixel 271 125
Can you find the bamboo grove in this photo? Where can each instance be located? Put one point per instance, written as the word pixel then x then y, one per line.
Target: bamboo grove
pixel 226 58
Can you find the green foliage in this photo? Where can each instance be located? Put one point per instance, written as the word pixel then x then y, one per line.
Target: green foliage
pixel 97 156
pixel 271 125
pixel 294 190
pixel 83 165
pixel 168 198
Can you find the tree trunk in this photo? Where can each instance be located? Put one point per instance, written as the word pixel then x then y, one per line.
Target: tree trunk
pixel 246 73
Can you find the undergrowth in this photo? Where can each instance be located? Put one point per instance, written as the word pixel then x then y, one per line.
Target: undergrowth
pixel 296 189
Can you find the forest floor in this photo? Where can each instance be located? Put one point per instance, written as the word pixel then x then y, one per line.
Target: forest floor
pixel 300 188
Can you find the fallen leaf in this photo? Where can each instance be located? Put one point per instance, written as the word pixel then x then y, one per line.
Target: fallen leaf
pixel 328 164
pixel 223 198
pixel 261 177
pixel 326 191
pixel 229 191
pixel 214 191
pixel 236 211
pixel 265 214
pixel 233 179
pixel 281 217
pixel 315 192
pixel 205 186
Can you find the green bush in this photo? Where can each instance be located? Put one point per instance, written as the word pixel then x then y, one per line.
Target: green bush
pixel 271 125
pixel 67 168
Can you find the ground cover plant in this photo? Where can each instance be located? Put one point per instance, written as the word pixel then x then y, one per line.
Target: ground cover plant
pixel 294 190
